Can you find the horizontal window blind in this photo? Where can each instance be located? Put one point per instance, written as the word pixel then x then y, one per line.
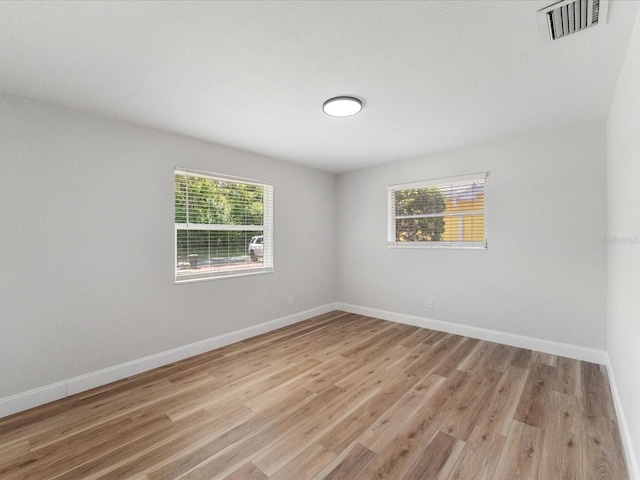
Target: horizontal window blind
pixel 216 218
pixel 447 212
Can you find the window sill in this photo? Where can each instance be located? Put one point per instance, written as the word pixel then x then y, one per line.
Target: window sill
pixel 440 245
pixel 206 276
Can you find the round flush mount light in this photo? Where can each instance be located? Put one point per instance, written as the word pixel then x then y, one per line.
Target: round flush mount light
pixel 342 106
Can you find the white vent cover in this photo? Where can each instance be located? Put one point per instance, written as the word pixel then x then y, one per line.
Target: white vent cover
pixel 571 16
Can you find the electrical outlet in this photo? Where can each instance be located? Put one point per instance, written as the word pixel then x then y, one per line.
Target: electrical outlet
pixel 429 302
pixel 290 299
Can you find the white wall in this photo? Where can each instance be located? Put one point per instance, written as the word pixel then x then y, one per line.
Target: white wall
pixel 87 245
pixel 623 289
pixel 544 272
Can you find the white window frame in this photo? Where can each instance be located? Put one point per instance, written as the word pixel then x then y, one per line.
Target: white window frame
pixel 267 231
pixel 391 213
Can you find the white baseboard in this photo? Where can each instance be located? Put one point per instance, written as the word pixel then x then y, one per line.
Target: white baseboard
pixel 39 396
pixel 632 461
pixel 521 341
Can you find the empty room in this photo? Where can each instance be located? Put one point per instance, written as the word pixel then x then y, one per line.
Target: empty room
pixel 304 240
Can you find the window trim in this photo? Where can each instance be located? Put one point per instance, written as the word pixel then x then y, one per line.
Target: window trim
pixel 392 217
pixel 266 229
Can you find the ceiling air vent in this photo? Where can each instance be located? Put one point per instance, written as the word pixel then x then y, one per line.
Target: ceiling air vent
pixel 571 16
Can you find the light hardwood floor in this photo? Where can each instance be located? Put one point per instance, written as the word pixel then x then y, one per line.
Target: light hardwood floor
pixel 340 396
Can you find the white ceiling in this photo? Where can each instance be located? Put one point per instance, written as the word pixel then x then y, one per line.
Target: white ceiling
pixel 433 75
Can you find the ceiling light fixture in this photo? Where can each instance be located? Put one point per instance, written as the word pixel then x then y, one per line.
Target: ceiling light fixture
pixel 342 106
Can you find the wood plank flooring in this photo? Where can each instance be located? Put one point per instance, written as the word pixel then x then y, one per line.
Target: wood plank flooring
pixel 340 396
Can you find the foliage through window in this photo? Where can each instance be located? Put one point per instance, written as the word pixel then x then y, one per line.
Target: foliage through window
pixel 447 212
pixel 219 221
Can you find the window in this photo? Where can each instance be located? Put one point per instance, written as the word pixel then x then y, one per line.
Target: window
pixel 223 226
pixel 446 212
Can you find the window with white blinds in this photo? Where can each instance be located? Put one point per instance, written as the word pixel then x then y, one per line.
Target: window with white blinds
pixel 445 212
pixel 223 226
